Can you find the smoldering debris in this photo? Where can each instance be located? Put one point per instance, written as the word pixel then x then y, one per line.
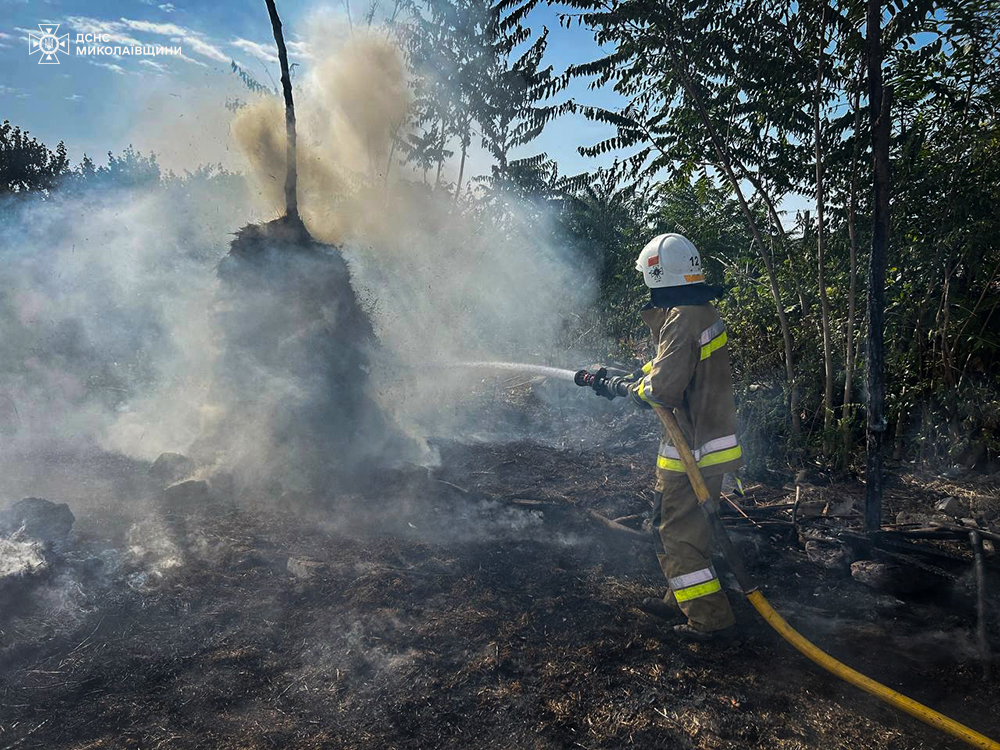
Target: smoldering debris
pixel 291 389
pixel 35 536
pixel 41 520
pixel 23 562
pixel 151 551
pixel 171 467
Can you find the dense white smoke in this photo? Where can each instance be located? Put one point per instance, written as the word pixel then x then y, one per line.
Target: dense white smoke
pixel 108 336
pixel 445 281
pixel 104 334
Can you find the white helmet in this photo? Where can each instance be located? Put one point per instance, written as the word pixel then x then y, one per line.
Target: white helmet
pixel 670 260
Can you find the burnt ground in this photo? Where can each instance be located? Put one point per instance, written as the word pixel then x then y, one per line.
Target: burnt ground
pixel 474 611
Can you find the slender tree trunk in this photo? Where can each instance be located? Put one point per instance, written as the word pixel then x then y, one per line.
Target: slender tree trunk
pixel 807 258
pixel 725 163
pixel 947 358
pixel 392 153
pixel 824 301
pixel 291 196
pixel 778 227
pixel 799 291
pixel 440 166
pixel 852 293
pixel 461 168
pixel 897 448
pixel 879 119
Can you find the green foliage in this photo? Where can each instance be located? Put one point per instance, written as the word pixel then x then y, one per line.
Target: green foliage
pixel 479 72
pixel 756 87
pixel 26 164
pixel 30 170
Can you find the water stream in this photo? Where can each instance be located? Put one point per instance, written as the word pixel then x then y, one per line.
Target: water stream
pixel 549 372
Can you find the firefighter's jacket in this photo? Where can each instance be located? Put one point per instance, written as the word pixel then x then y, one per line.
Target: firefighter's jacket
pixel 691 374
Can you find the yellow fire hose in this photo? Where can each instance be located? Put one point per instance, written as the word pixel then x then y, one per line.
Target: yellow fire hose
pixel 777 622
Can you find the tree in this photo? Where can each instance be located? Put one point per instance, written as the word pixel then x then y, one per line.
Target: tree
pixel 879 114
pixel 26 164
pixel 291 195
pixel 472 77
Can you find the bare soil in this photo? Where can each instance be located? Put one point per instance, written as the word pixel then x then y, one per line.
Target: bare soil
pixel 462 611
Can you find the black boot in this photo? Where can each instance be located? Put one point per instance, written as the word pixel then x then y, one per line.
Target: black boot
pixel 659 608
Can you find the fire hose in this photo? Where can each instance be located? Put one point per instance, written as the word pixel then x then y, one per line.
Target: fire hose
pixel 605 385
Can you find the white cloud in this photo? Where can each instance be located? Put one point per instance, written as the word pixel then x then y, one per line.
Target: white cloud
pixel 73 98
pixel 299 49
pixel 191 60
pixel 267 51
pixel 167 7
pixel 5 36
pixel 11 91
pixel 257 50
pixel 200 47
pixel 110 66
pixel 158 67
pixel 151 27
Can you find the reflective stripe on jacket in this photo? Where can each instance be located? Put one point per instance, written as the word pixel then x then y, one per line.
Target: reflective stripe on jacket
pixel 691 374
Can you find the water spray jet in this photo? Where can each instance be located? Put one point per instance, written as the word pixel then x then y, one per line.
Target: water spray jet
pixel 556 373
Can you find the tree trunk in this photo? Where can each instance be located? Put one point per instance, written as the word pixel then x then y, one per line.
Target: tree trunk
pixel 806 257
pixel 461 169
pixel 897 448
pixel 392 153
pixel 947 358
pixel 779 228
pixel 440 165
pixel 799 292
pixel 821 248
pixel 291 196
pixel 852 293
pixel 725 163
pixel 879 119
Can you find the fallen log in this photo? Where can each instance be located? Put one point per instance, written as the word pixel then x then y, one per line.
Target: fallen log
pixel 979 566
pixel 616 527
pixel 547 503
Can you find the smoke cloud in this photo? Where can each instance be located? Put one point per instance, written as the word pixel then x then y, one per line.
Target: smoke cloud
pixel 109 334
pixel 445 281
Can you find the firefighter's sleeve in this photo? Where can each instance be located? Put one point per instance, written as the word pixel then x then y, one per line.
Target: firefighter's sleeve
pixel 668 375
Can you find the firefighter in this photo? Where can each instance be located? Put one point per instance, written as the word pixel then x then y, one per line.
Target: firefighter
pixel 690 374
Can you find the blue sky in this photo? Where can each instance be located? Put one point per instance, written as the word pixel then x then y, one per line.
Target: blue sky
pixel 97 104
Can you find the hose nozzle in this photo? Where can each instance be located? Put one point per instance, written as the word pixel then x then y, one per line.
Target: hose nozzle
pixel 609 388
pixel 586 379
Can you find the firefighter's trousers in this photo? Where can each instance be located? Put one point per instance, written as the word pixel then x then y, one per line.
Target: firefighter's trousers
pixel 683 542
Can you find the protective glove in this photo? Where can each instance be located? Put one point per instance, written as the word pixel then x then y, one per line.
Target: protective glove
pixel 629 382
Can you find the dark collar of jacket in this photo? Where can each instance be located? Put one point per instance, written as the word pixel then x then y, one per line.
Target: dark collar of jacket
pixel 677 296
